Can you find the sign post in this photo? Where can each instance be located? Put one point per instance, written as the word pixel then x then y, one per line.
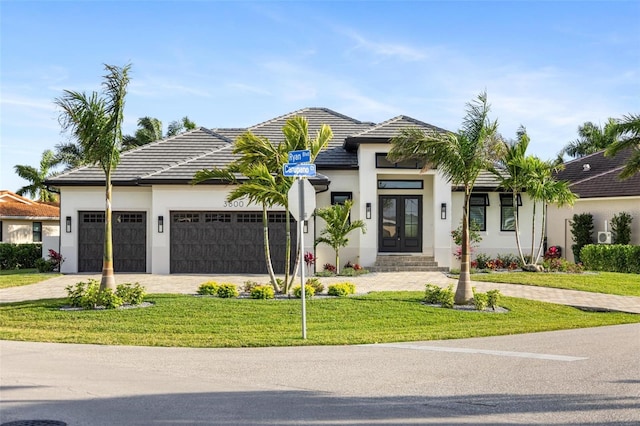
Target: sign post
pixel 300 168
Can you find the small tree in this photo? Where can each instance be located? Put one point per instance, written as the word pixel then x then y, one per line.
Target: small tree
pixel 621 228
pixel 582 232
pixel 338 227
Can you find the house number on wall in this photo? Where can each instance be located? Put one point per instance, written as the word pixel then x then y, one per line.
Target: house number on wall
pixel 234 204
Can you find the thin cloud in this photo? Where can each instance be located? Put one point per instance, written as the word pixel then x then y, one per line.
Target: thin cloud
pixel 386 50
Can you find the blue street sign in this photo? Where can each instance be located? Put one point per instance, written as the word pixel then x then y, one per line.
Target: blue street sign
pixel 297 157
pixel 299 170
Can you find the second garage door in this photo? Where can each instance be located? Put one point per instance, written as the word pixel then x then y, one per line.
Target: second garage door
pixel 226 242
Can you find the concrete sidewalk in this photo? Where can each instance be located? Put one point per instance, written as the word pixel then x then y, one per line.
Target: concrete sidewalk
pixel 377 281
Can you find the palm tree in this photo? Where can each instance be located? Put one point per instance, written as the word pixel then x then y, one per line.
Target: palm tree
pixel 95 121
pixel 260 162
pixel 179 126
pixel 338 227
pixel 592 138
pixel 628 129
pixel 149 130
pixel 459 157
pixel 69 154
pixel 36 178
pixel 512 175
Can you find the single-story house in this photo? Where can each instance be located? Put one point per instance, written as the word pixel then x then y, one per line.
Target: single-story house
pixel 163 224
pixel 594 178
pixel 27 221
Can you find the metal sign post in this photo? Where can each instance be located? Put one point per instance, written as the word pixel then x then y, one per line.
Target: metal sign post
pixel 301 242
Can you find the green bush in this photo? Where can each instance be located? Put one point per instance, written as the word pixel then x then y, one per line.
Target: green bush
pixel 131 294
pixel 88 296
pixel 341 289
pixel 612 258
pixel 108 298
pixel 210 288
pixel 44 266
pixel 561 265
pixel 249 285
pixel 493 298
pixel 483 260
pixel 432 294
pixel 227 290
pixel 582 233
pixel 480 301
pixel 19 256
pixel 447 297
pixel 316 284
pixel 309 291
pixel 621 228
pixel 262 292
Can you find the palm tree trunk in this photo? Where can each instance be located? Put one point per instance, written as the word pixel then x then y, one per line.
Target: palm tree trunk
pixel 108 278
pixel 464 292
pixel 517 225
pixel 533 234
pixel 287 254
pixel 544 224
pixel 267 249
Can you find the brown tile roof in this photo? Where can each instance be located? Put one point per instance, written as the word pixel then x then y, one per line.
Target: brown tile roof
pixel 596 176
pixel 14 206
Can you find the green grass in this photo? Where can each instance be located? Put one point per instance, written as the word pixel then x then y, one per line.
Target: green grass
pixel 189 321
pixel 18 277
pixel 596 282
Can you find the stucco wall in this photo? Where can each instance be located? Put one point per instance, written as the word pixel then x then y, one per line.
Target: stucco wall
pixel 559 228
pixel 21 231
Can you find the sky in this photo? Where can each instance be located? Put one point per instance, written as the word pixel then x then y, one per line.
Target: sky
pixel 550 66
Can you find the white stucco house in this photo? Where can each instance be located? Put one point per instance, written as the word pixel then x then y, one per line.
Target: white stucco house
pixel 595 179
pixel 163 224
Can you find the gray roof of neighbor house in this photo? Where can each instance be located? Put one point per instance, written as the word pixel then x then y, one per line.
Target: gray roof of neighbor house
pixel 176 159
pixel 596 176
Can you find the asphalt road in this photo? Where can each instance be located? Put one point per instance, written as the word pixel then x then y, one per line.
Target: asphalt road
pixel 585 376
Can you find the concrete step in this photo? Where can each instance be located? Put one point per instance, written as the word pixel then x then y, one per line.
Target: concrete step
pixel 400 263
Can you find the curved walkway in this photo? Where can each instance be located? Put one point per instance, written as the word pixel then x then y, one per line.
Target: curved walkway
pixel 377 281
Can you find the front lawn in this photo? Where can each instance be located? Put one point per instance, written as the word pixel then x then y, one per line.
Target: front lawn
pixel 182 320
pixel 596 282
pixel 18 277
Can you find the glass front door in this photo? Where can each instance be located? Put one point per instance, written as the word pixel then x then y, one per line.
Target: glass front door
pixel 400 227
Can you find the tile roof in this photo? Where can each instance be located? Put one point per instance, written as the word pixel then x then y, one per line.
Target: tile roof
pixel 13 206
pixel 596 175
pixel 387 130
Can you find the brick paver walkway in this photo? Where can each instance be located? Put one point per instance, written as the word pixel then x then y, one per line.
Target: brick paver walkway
pixel 377 281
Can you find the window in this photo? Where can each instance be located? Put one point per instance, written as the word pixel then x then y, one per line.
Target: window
pixel 0 231
pixel 478 211
pixel 400 184
pixel 508 211
pixel 37 232
pixel 383 163
pixel 340 197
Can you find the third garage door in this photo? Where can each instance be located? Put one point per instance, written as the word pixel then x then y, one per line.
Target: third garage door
pixel 226 242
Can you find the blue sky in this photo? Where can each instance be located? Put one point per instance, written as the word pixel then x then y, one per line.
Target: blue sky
pixel 547 65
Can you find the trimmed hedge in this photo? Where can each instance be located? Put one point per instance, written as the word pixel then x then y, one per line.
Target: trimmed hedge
pixel 19 256
pixel 611 258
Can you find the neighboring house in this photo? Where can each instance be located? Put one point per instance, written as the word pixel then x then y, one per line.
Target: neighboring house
pixel 162 224
pixel 26 221
pixel 594 178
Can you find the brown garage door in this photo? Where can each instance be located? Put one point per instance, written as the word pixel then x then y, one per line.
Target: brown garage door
pixel 129 241
pixel 226 242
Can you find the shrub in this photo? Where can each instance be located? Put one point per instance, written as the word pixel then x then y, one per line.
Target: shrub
pixel 446 297
pixel 88 296
pixel 17 256
pixel 581 230
pixel 612 258
pixel 210 288
pixel 341 289
pixel 508 261
pixel 108 298
pixel 329 267
pixel 561 265
pixel 309 291
pixel 480 300
pixel 553 252
pixel 483 260
pixel 348 272
pixel 248 286
pixel 44 266
pixel 621 228
pixel 493 298
pixel 227 290
pixel 262 292
pixel 432 294
pixel 316 284
pixel 131 294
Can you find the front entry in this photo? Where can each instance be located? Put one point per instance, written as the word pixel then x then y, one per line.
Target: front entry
pixel 400 227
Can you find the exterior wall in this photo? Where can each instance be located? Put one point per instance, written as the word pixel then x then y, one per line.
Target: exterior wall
pixel 75 200
pixel 20 231
pixel 494 241
pixel 602 209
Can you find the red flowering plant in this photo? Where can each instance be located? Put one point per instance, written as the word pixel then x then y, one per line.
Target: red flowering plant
pixel 553 252
pixel 309 259
pixel 329 267
pixel 56 259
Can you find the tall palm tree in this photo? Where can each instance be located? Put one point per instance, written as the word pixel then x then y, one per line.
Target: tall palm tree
pixel 338 227
pixel 95 121
pixel 178 126
pixel 459 157
pixel 70 154
pixel 628 129
pixel 149 130
pixel 592 138
pixel 512 175
pixel 36 177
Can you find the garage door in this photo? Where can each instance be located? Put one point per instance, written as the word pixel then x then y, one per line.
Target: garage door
pixel 226 242
pixel 129 241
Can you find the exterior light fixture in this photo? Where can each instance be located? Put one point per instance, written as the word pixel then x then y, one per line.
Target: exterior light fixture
pixel 443 211
pixel 160 224
pixel 305 227
pixel 368 211
pixel 68 224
